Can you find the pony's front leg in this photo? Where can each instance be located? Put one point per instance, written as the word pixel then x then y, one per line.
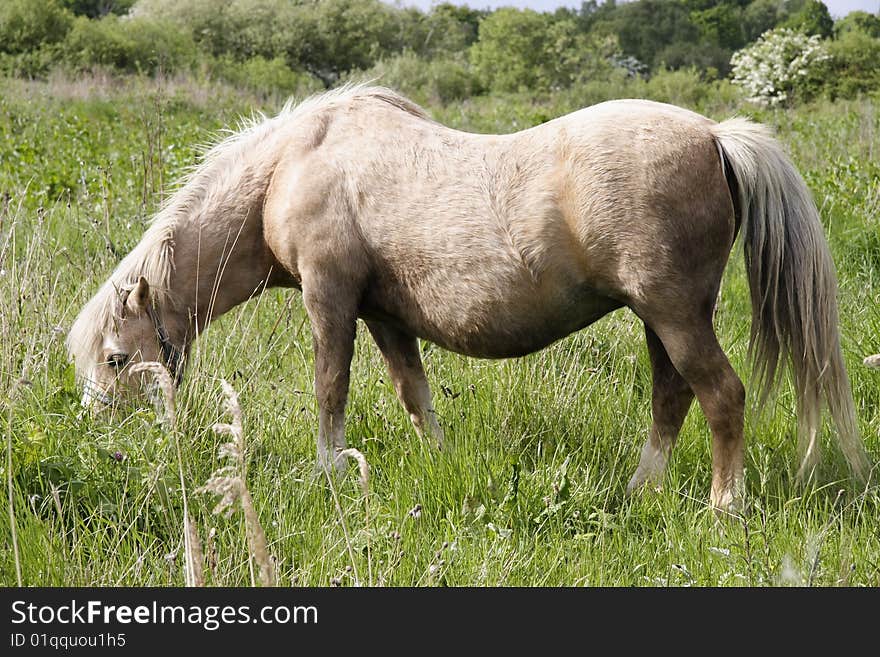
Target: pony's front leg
pixel 401 353
pixel 333 321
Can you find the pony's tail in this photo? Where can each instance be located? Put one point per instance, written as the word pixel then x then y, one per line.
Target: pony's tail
pixel 793 289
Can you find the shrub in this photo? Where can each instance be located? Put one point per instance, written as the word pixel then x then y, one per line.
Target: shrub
pixel 241 29
pixel 98 8
pixel 437 80
pixel 127 44
pixel 26 25
pixel 860 21
pixel 853 66
pixel 781 64
pixel 812 18
pixel 451 79
pixel 759 16
pixel 347 35
pixel 442 31
pixel 265 76
pixel 525 50
pixel 619 83
pixel 683 54
pixel 682 87
pixel 32 64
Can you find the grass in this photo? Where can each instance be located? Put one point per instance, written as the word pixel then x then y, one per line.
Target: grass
pixel 530 489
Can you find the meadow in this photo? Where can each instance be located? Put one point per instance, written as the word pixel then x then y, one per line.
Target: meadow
pixel 530 489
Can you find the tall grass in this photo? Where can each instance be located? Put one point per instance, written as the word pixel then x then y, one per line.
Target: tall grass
pixel 530 489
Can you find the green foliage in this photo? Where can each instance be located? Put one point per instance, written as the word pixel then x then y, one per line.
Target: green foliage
pixel 460 23
pixel 684 87
pixel 348 35
pixel 692 55
pixel 239 28
pixel 26 26
pixel 426 80
pixel 98 8
pixel 31 64
pixel 446 53
pixel 133 45
pixel 812 18
pixel 645 28
pixel 858 21
pixel 508 53
pixel 446 30
pixel 327 38
pixel 854 66
pixel 760 16
pixel 265 76
pixel 522 49
pixel 720 25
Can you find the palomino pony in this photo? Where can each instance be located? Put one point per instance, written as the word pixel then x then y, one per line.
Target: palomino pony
pixel 492 246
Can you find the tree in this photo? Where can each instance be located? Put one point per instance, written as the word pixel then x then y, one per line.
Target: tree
pixel 858 21
pixel 522 49
pixel 139 45
pixel 239 28
pixel 26 25
pixel 853 67
pixel 646 28
pixel 444 30
pixel 592 12
pixel 720 25
pixel 760 16
pixel 812 18
pixel 509 53
pixel 331 37
pixel 463 15
pixel 98 8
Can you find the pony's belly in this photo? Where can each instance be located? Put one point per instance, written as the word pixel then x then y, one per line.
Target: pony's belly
pixel 514 327
pixel 520 336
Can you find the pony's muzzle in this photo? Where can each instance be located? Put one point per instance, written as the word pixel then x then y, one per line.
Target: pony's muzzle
pixel 94 398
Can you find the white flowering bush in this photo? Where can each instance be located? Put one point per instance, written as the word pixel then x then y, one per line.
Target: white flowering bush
pixel 779 63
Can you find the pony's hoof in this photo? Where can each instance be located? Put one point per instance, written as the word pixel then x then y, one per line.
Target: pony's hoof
pixel 635 489
pixel 328 467
pixel 728 506
pixel 644 480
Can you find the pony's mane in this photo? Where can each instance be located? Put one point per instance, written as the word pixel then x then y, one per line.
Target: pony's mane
pixel 222 161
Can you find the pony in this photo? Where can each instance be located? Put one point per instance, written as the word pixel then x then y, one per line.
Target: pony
pixel 493 246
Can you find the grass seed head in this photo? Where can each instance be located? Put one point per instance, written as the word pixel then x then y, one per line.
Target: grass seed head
pixel 165 383
pixel 229 482
pixel 363 466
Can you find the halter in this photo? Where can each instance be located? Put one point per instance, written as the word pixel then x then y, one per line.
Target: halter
pixel 171 355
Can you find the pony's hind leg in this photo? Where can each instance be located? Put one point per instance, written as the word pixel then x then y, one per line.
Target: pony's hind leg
pixel 401 353
pixel 671 398
pixel 333 323
pixel 694 351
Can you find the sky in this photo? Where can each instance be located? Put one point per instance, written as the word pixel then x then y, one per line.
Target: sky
pixel 837 8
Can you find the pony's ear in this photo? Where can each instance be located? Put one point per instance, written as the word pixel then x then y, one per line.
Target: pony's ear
pixel 139 298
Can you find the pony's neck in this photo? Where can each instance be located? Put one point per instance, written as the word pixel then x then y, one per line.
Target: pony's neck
pixel 220 258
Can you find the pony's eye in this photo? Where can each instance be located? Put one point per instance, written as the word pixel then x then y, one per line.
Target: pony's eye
pixel 117 361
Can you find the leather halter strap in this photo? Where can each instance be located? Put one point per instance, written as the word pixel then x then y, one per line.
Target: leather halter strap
pixel 170 353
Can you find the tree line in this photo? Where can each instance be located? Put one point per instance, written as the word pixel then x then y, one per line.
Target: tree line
pixel 461 51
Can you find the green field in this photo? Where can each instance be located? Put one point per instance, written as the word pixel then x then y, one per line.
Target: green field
pixel 530 489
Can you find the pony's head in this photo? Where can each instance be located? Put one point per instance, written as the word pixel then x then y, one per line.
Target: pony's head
pixel 119 326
